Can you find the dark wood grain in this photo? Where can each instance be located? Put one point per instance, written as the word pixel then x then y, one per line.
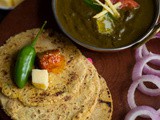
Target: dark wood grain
pixel 116 67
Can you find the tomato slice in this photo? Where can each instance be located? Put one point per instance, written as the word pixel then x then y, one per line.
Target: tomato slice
pixel 131 4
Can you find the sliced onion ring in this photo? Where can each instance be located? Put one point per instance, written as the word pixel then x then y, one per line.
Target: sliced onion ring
pixel 148 70
pixel 146 52
pixel 143 51
pixel 137 73
pixel 145 78
pixel 138 53
pixel 141 111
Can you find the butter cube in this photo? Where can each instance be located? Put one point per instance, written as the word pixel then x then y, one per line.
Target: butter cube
pixel 40 78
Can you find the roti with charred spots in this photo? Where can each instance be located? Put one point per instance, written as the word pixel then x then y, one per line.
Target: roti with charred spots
pixel 75 90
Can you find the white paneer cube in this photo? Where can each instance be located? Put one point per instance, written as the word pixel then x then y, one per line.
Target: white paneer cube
pixel 40 78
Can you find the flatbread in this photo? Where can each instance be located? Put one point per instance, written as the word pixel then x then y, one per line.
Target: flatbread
pixel 15 109
pixel 104 107
pixel 60 85
pixel 77 93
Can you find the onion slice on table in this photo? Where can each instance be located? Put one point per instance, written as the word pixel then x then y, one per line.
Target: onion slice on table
pixel 147 69
pixel 146 52
pixel 141 111
pixel 145 78
pixel 143 56
pixel 138 70
pixel 143 51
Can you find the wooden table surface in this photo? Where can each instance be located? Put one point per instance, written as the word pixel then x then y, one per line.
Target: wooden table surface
pixel 116 67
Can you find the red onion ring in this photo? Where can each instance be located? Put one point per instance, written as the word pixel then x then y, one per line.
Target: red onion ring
pixel 158 111
pixel 137 73
pixel 149 70
pixel 140 53
pixel 141 111
pixel 142 57
pixel 145 78
pixel 146 52
pixel 143 51
pixel 138 68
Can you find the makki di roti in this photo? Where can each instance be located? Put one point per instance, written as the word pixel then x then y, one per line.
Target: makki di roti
pixel 77 92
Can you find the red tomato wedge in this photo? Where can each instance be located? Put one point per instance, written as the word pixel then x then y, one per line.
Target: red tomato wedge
pixel 127 3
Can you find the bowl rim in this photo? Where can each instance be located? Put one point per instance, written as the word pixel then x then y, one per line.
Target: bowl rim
pixel 98 49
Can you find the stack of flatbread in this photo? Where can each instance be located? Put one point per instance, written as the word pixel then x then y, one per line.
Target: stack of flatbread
pixel 76 93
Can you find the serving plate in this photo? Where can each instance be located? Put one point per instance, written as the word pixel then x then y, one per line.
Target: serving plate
pixel 116 67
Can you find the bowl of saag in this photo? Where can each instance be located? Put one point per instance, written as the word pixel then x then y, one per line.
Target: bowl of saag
pixel 107 25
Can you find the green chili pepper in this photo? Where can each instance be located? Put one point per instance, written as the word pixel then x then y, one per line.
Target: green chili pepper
pixel 92 4
pixel 25 61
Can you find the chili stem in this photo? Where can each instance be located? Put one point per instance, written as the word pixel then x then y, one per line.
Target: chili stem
pixel 40 31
